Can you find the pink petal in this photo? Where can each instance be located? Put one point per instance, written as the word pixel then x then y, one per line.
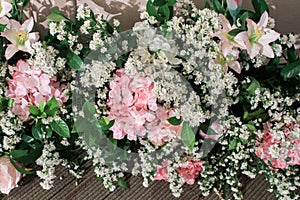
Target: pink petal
pixel 11 35
pixel 15 25
pixel 11 50
pixel 253 49
pixel 225 23
pixel 6 7
pixel 252 26
pixel 269 37
pixel 28 25
pixel 263 22
pixel 235 66
pixel 267 51
pixel 241 37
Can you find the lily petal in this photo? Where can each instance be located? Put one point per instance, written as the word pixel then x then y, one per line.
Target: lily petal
pixel 268 51
pixel 11 35
pixel 28 25
pixel 14 24
pixel 235 66
pixel 10 51
pixel 269 37
pixel 263 22
pixel 252 26
pixel 225 23
pixel 253 49
pixel 6 8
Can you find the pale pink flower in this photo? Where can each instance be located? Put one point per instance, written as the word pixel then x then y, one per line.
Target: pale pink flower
pixel 9 176
pixel 230 61
pixel 19 37
pixel 228 41
pixel 279 145
pixel 5 8
pixel 258 37
pixel 162 172
pixel 30 86
pixel 189 171
pixel 133 106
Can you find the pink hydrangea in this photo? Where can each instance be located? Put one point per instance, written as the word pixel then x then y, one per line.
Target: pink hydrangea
pixel 279 145
pixel 133 106
pixel 30 86
pixel 189 171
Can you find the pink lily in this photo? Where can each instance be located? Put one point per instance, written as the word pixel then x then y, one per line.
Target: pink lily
pixel 258 37
pixel 5 8
pixel 228 41
pixel 229 61
pixel 19 37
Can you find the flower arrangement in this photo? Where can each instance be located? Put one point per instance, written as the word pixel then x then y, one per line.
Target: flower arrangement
pixel 187 96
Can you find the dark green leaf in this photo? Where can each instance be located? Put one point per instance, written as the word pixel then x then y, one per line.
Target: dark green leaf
pixel 291 70
pixel 260 6
pixel 172 2
pixel 236 31
pixel 42 106
pixel 18 167
pixel 253 86
pixel 3 103
pixel 60 127
pixel 188 135
pixel 74 61
pixel 207 5
pixel 37 131
pixel 164 11
pixel 151 9
pixel 51 107
pixel 174 121
pixel 159 2
pixel 292 55
pixel 217 6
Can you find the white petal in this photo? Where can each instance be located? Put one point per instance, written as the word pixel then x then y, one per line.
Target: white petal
pixel 268 51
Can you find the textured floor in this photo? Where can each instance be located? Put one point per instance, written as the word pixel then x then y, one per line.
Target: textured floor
pixel 89 188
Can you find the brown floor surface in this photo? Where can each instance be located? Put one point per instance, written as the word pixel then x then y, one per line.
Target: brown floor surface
pixel 89 188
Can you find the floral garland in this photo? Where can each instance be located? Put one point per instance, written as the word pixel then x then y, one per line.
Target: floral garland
pixel 187 96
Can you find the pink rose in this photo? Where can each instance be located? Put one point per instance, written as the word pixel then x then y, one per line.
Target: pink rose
pixel 190 171
pixel 9 175
pixel 161 173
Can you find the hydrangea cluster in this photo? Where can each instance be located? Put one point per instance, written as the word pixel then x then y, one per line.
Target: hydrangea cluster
pixel 135 111
pixel 30 86
pixel 279 145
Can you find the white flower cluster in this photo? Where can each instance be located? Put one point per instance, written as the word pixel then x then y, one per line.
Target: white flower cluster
pixel 45 59
pixel 288 40
pixel 48 161
pixel 236 153
pixel 108 174
pixel 58 29
pixel 83 12
pixel 73 168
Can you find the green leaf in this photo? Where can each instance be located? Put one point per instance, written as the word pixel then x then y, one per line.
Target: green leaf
pixel 291 70
pixel 3 103
pixel 207 5
pixel 253 86
pixel 52 107
pixel 217 6
pixel 2 27
pixel 56 16
pixel 74 61
pixel 260 6
pixel 37 131
pixel 34 110
pixel 174 121
pixel 188 135
pixel 233 144
pixel 164 11
pixel 89 110
pixel 10 103
pixel 151 9
pixel 172 2
pixel 122 184
pixel 292 55
pixel 42 106
pixel 19 168
pixel 60 127
pixel 159 2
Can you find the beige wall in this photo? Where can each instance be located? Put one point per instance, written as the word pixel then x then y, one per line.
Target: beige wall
pixel 286 12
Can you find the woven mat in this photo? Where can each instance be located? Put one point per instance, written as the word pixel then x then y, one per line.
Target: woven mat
pixel 88 188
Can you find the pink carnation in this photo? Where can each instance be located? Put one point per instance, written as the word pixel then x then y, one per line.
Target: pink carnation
pixel 30 86
pixel 279 144
pixel 133 106
pixel 189 171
